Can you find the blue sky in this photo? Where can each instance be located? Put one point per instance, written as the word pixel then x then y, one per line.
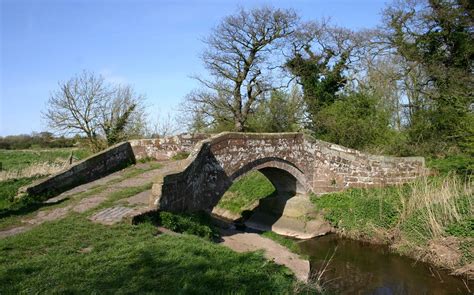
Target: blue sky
pixel 152 45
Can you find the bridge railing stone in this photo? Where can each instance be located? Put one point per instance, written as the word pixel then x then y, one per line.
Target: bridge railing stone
pixel 217 161
pixel 94 167
pixel 166 147
pixel 338 167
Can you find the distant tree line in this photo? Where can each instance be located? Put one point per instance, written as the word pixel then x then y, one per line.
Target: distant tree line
pixel 405 87
pixel 38 140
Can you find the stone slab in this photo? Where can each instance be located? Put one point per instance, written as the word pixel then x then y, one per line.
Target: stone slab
pixel 111 215
pixel 244 242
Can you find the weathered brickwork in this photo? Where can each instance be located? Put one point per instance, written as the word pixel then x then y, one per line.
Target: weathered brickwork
pixel 113 159
pixel 293 162
pixel 166 147
pixel 92 168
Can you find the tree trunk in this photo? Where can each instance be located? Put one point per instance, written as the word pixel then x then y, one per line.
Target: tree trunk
pixel 239 126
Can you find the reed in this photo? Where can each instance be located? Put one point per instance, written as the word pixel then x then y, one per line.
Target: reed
pixel 437 202
pixel 38 169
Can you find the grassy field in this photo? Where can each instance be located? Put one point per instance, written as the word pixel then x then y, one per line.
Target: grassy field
pixel 77 256
pixel 245 192
pixel 9 188
pixel 20 159
pixel 22 167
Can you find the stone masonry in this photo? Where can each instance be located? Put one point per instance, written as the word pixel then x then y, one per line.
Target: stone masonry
pixel 94 167
pixel 166 147
pixel 293 162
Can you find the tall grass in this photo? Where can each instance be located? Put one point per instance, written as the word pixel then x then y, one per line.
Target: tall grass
pixel 410 217
pixel 434 204
pixel 37 169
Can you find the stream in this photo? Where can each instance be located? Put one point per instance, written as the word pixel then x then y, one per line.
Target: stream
pixel 362 268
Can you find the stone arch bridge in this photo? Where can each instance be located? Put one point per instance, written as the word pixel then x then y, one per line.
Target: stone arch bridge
pixel 293 162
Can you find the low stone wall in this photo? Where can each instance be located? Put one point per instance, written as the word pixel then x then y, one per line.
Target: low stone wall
pixel 293 162
pixel 92 168
pixel 164 148
pixel 336 168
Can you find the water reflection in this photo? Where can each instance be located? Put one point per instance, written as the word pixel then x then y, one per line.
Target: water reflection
pixel 360 268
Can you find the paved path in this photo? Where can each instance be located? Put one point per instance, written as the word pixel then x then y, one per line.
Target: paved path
pixel 244 242
pixel 79 203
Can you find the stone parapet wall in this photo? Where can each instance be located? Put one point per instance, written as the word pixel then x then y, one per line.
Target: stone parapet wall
pixel 87 170
pixel 166 147
pixel 292 162
pixel 337 168
pixel 113 159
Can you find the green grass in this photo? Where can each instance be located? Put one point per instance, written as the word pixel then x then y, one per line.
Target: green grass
pixel 416 227
pixel 123 194
pixel 246 191
pixel 460 164
pixel 180 156
pixel 135 171
pixel 408 217
pixel 9 189
pixel 361 209
pixel 198 224
pixel 18 159
pixel 76 256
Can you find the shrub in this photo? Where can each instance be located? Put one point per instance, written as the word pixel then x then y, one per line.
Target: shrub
pixel 356 121
pixel 198 224
pixel 180 156
pixel 9 189
pixel 460 164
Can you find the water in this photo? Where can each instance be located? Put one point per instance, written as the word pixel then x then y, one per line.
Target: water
pixel 361 268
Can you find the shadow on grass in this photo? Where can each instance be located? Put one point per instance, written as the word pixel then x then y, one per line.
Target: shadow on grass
pixel 27 205
pixel 130 259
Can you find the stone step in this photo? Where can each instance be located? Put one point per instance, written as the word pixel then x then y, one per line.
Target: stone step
pixel 288 226
pixel 296 206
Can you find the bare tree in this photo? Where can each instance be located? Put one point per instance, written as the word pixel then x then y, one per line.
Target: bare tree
pixel 164 126
pixel 87 105
pixel 123 115
pixel 238 59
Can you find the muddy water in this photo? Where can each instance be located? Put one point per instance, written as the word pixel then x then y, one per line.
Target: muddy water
pixel 361 268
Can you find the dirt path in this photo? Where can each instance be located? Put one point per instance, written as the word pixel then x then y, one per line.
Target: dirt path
pixel 244 242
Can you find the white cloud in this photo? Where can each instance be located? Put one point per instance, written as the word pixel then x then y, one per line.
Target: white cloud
pixel 112 77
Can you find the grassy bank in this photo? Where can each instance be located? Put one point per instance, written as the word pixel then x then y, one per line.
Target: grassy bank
pixel 76 256
pixel 9 188
pixel 430 219
pixel 245 192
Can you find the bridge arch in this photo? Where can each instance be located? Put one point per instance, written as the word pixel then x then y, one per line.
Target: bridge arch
pixel 293 162
pixel 285 176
